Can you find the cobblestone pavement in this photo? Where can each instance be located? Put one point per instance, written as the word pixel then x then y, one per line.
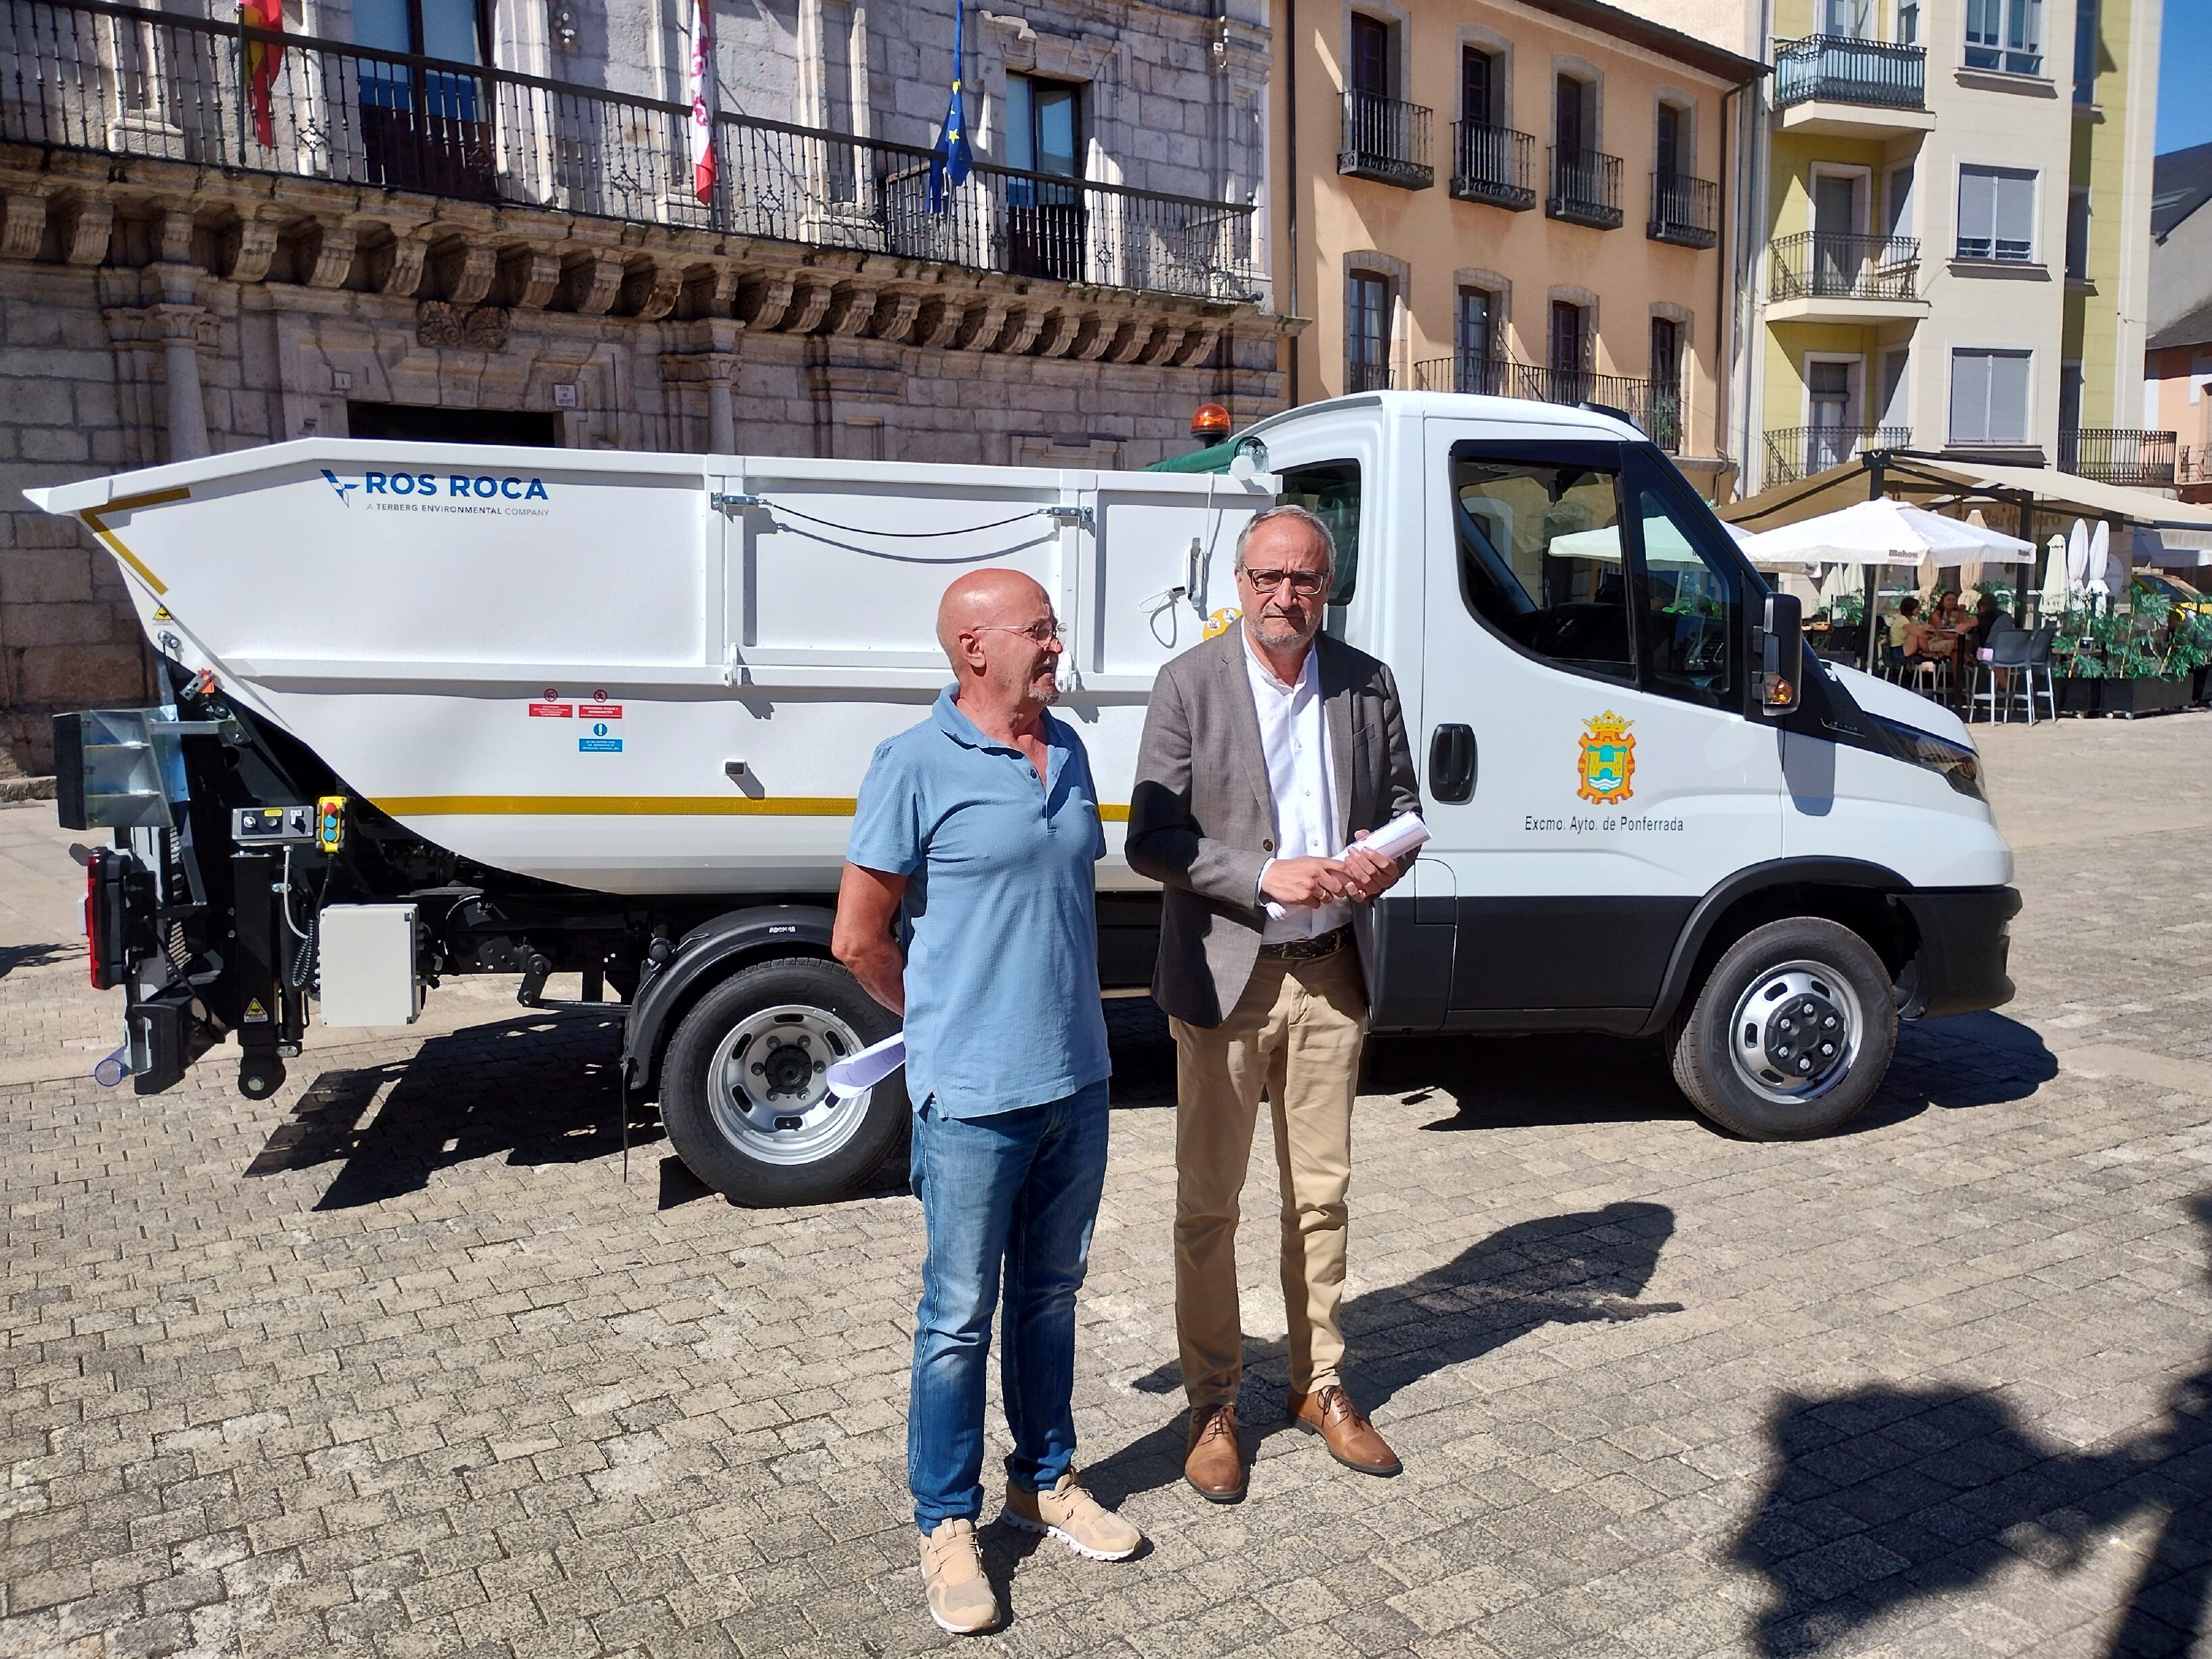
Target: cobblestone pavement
pixel 398 1363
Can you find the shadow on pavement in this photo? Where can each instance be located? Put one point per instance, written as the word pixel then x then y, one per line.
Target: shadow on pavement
pixel 13 956
pixel 541 1091
pixel 1563 1269
pixel 1887 1494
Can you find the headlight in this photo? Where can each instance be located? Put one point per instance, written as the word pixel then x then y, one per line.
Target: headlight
pixel 1960 767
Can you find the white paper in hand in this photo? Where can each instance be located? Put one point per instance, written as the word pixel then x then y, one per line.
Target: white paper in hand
pixel 860 1073
pixel 1402 835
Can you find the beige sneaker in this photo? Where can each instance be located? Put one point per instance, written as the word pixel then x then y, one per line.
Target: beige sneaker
pixel 1073 1516
pixel 960 1598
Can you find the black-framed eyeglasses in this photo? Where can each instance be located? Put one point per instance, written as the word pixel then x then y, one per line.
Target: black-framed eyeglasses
pixel 1305 583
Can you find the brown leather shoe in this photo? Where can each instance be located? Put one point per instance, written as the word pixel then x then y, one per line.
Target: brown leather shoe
pixel 1350 1439
pixel 1213 1462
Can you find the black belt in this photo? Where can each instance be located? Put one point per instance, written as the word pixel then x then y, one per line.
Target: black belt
pixel 1307 949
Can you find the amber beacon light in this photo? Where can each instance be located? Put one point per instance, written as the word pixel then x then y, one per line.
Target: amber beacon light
pixel 1209 423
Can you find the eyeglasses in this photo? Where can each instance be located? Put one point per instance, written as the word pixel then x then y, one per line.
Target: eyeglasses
pixel 1303 583
pixel 1038 633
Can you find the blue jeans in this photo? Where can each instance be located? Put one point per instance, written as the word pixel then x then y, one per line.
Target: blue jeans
pixel 1019 1187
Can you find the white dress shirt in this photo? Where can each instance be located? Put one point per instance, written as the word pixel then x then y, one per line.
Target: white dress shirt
pixel 1295 739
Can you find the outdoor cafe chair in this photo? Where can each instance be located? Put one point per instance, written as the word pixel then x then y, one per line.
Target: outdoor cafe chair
pixel 2006 654
pixel 2038 663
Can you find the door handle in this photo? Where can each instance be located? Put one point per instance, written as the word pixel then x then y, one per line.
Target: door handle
pixel 1452 762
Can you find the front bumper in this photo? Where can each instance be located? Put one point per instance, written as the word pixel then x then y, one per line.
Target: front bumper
pixel 1965 941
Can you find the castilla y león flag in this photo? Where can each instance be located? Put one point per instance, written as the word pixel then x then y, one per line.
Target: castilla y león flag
pixel 262 58
pixel 699 87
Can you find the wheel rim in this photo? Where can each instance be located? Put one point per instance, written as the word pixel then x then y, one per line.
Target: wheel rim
pixel 768 1083
pixel 1796 1033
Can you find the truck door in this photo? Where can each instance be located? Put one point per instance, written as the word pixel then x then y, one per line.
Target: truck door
pixel 1590 761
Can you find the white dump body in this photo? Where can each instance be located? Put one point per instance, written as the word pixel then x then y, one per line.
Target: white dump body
pixel 593 668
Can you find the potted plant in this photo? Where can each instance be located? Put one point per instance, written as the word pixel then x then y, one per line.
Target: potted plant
pixel 2076 670
pixel 2191 652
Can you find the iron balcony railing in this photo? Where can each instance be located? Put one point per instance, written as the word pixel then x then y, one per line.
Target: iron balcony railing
pixel 2118 455
pixel 1585 188
pixel 1387 140
pixel 1656 408
pixel 1685 212
pixel 1493 165
pixel 91 76
pixel 1816 264
pixel 2195 465
pixel 1799 451
pixel 1845 69
pixel 1369 377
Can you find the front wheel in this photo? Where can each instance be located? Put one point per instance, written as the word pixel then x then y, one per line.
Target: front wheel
pixel 1791 1033
pixel 744 1093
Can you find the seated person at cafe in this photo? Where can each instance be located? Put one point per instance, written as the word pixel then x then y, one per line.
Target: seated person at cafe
pixel 1909 634
pixel 1989 621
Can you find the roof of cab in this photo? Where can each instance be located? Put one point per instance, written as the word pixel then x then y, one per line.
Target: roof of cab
pixel 1507 412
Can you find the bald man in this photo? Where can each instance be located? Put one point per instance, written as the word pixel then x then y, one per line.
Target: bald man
pixel 967 907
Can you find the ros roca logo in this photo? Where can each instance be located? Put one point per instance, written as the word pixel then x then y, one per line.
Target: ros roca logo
pixel 450 486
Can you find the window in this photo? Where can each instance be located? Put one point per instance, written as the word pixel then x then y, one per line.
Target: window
pixel 1663 419
pixel 1330 491
pixel 1474 344
pixel 2077 234
pixel 1832 411
pixel 1908 22
pixel 1370 56
pixel 2070 397
pixel 1897 202
pixel 1852 18
pixel 1989 397
pixel 1692 611
pixel 1997 214
pixel 1478 73
pixel 1569 353
pixel 1574 114
pixel 1671 143
pixel 1367 333
pixel 2005 34
pixel 1893 394
pixel 1539 561
pixel 2085 52
pixel 424 129
pixel 1046 224
pixel 1546 560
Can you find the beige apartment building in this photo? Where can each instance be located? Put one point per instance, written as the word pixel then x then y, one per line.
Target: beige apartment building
pixel 1519 197
pixel 1955 200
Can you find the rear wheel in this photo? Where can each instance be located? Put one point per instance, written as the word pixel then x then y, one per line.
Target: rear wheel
pixel 1791 1033
pixel 745 1095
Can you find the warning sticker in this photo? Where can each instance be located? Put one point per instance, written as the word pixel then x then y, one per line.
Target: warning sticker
pixel 598 711
pixel 552 711
pixel 599 745
pixel 255 1013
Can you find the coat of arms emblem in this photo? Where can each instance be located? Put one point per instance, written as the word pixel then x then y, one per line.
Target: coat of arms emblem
pixel 1608 759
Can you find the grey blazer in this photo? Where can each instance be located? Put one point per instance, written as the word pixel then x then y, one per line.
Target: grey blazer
pixel 1202 821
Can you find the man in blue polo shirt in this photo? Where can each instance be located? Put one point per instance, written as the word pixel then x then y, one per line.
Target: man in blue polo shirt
pixel 967 906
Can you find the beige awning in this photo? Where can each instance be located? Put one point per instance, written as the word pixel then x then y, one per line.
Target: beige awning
pixel 1938 482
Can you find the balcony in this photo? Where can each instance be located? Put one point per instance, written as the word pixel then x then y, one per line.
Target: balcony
pixel 1817 277
pixel 1684 212
pixel 121 81
pixel 1385 140
pixel 1585 188
pixel 1369 377
pixel 1656 408
pixel 2114 455
pixel 1845 86
pixel 1492 164
pixel 1799 451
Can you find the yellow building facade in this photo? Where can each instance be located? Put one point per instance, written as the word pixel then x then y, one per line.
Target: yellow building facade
pixel 1519 197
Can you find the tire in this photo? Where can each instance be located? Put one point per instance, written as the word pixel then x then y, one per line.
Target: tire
pixel 765 1131
pixel 1747 1056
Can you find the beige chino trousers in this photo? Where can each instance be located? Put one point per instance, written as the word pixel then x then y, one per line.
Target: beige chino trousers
pixel 1296 1034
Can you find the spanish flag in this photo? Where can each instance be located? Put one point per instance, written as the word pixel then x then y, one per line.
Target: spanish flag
pixel 262 58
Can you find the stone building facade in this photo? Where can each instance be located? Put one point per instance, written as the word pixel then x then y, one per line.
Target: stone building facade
pixel 475 220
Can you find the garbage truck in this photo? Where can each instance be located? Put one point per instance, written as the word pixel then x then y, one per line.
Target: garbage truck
pixel 434 710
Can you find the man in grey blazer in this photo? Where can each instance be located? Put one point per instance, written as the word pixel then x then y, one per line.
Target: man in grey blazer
pixel 1267 751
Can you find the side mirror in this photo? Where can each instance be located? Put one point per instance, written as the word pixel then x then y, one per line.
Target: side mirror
pixel 1781 653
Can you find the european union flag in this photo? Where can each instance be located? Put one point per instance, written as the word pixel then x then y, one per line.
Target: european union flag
pixel 950 158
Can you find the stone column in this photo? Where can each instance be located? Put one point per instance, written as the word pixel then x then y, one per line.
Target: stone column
pixel 719 372
pixel 177 320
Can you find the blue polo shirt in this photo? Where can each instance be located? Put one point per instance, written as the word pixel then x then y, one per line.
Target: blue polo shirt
pixel 999 920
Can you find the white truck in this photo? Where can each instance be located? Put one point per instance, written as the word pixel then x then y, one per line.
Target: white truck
pixel 441 709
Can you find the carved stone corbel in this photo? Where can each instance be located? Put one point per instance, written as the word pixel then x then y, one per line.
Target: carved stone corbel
pixel 253 244
pixel 806 310
pixel 1163 346
pixel 175 233
pixel 762 302
pixel 592 283
pixel 1092 338
pixel 1020 329
pixel 985 318
pixel 334 251
pixel 397 268
pixel 528 277
pixel 1057 336
pixel 1198 344
pixel 464 270
pixel 24 227
pixel 1128 340
pixel 86 226
pixel 893 316
pixel 852 308
pixel 939 321
pixel 650 291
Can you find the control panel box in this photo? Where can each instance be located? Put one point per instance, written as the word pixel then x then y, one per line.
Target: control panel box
pixel 272 826
pixel 368 972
